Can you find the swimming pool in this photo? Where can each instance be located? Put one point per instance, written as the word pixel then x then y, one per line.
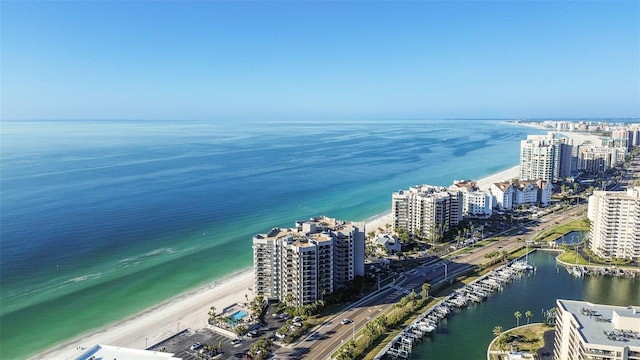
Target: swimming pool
pixel 237 316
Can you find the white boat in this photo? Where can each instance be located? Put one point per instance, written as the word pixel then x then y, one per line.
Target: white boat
pixel 522 265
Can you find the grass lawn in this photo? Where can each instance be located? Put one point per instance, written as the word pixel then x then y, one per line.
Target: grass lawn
pixel 570 257
pixel 526 338
pixel 555 232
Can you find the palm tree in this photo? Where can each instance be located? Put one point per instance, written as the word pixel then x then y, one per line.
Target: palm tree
pixel 497 330
pixel 241 330
pixel 518 315
pixel 528 314
pixel 425 290
pixel 212 314
pixel 411 296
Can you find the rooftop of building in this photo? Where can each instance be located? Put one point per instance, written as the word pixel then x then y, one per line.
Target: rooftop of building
pixel 630 193
pixel 470 185
pixel 122 353
pixel 598 324
pixel 318 229
pixel 425 190
pixel 521 184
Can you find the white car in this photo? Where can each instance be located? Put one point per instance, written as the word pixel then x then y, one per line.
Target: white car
pixel 346 321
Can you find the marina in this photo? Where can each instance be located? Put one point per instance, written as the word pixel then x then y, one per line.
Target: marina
pixel 477 291
pixel 534 291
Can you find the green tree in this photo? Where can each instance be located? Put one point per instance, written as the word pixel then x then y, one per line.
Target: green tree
pixel 497 330
pixel 425 290
pixel 411 296
pixel 288 299
pixel 241 330
pixel 528 314
pixel 517 315
pixel 212 314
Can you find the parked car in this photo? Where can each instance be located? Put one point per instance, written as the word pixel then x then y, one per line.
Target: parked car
pixel 196 346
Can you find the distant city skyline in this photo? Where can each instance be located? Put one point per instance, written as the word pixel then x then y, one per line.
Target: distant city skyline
pixel 319 60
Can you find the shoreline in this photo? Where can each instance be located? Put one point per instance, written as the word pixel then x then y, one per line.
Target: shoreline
pixel 190 309
pixel 155 324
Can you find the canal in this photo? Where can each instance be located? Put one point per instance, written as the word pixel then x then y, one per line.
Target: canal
pixel 467 333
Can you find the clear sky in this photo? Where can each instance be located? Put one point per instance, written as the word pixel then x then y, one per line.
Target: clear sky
pixel 319 60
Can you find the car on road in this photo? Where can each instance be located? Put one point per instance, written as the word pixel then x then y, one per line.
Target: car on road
pixel 236 342
pixel 196 346
pixel 346 321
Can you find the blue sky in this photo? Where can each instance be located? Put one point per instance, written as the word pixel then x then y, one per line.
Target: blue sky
pixel 319 60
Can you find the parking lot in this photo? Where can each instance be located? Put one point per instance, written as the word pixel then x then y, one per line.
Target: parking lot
pixel 180 345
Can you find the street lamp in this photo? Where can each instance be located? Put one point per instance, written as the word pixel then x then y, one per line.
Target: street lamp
pixel 445 271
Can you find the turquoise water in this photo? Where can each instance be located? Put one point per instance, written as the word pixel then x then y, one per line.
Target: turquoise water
pixel 237 316
pixel 467 333
pixel 101 219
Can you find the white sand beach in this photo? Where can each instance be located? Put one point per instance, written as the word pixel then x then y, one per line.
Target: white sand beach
pixel 188 310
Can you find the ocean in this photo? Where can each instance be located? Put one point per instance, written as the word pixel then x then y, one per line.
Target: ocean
pixel 102 219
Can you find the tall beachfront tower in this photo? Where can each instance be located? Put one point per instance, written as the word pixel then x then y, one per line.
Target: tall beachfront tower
pixel 615 223
pixel 592 331
pixel 541 157
pixel 302 264
pixel 426 209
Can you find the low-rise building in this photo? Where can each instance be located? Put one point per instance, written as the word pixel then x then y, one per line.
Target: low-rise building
pixel 509 194
pixel 99 352
pixel 587 331
pixel 390 243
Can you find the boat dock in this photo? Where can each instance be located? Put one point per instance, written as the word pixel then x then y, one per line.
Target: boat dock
pixel 476 291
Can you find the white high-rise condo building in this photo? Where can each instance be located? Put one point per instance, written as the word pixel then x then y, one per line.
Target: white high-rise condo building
pixel 475 202
pixel 544 157
pixel 586 331
pixel 302 264
pixel 615 223
pixel 599 158
pixel 430 210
